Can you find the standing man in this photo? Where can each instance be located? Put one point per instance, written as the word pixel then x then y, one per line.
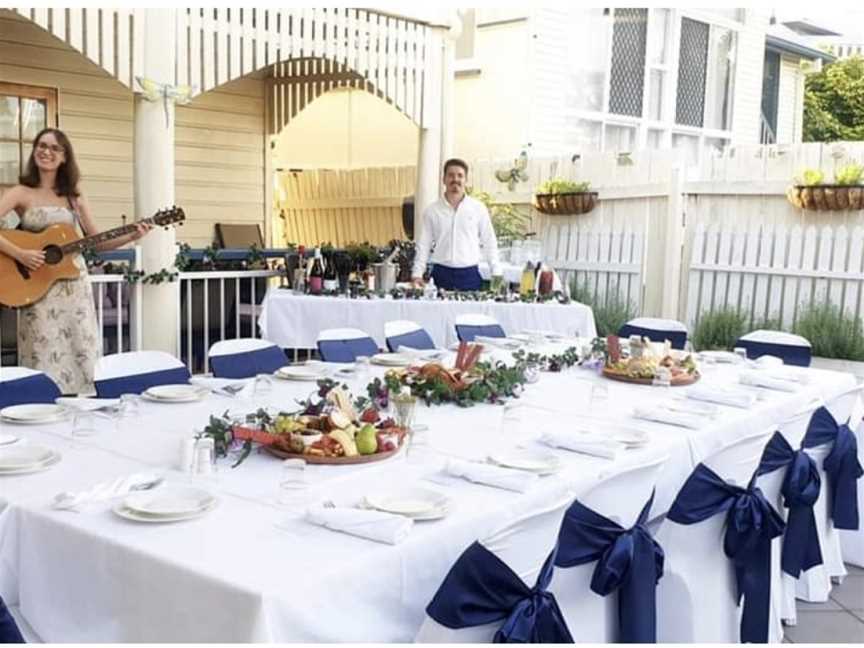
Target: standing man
pixel 455 227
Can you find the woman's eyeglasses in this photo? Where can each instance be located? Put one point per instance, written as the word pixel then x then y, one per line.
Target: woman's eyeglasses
pixel 54 148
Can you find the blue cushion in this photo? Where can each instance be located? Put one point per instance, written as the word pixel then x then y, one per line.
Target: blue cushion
pixel 116 387
pixel 467 332
pixel 248 363
pixel 346 350
pixel 418 339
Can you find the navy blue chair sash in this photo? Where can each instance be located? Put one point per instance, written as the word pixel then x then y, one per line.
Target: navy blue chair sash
pixel 246 364
pixel 480 588
pixel 36 388
pixel 629 561
pixel 9 632
pixel 842 467
pixel 678 339
pixel 751 524
pixel 467 332
pixel 800 490
pixel 116 387
pixel 418 339
pixel 346 350
pixel 791 354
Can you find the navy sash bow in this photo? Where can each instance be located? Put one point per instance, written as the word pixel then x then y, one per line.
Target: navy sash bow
pixel 35 388
pixel 800 489
pixel 628 560
pixel 9 632
pixel 841 467
pixel 751 524
pixel 481 589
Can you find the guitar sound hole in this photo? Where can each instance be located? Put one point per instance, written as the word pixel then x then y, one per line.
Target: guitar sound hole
pixel 53 254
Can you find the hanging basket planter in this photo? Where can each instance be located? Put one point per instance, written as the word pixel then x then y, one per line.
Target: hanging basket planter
pixel 561 204
pixel 826 197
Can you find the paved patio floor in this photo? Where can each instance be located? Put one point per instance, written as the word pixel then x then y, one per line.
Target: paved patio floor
pixel 839 620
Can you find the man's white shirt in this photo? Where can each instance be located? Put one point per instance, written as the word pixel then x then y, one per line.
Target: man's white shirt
pixel 454 237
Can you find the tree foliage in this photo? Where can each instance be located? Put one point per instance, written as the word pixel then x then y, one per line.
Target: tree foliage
pixel 834 102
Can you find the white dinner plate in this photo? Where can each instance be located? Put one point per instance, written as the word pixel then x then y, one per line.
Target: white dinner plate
pixel 392 359
pixel 7 439
pixel 301 372
pixel 169 502
pixel 175 393
pixel 33 414
pixel 417 503
pixel 720 356
pixel 25 457
pixel 45 465
pixel 137 516
pixel 538 462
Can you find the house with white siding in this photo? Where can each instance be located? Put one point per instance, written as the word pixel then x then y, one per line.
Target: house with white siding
pixel 569 80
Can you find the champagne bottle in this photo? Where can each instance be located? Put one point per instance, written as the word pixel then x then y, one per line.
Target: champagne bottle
pixel 316 276
pixel 331 283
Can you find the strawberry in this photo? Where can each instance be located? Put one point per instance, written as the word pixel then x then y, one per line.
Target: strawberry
pixel 369 415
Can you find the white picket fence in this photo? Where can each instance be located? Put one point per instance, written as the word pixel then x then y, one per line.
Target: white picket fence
pixel 772 271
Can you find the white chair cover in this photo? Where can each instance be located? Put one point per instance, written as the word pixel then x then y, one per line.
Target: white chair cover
pixel 620 497
pixel 523 543
pixel 697 596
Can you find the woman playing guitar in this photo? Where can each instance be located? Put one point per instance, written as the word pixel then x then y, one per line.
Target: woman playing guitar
pixel 59 333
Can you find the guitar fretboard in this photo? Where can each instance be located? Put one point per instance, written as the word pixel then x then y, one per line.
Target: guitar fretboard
pixel 101 237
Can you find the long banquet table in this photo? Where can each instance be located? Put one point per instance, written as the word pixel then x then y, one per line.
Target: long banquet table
pixel 247 571
pixel 294 321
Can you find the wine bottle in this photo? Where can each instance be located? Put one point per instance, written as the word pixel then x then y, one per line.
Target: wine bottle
pixel 316 275
pixel 331 283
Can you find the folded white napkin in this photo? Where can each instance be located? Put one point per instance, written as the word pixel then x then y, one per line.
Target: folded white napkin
pixel 760 379
pixel 723 396
pixel 88 404
pixel 104 491
pixel 589 444
pixel 791 374
pixel 372 525
pixel 768 362
pixel 661 415
pixel 490 475
pixel 689 407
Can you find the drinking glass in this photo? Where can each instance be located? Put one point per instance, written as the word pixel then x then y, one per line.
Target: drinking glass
pixel 130 405
pixel 599 394
pixel 418 449
pixel 741 352
pixel 293 486
pixel 362 374
pixel 262 386
pixel 405 406
pixel 83 424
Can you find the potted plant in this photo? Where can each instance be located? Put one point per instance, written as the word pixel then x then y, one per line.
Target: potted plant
pixel 558 196
pixel 812 192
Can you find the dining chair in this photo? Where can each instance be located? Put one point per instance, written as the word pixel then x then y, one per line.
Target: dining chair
pixel 245 358
pixel 21 385
pixel 136 371
pixel 10 633
pixel 407 334
pixel 470 325
pixel 345 345
pixel 608 565
pixel 656 330
pixel 497 589
pixel 792 349
pixel 717 536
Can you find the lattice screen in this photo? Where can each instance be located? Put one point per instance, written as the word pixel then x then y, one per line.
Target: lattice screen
pixel 627 76
pixel 692 63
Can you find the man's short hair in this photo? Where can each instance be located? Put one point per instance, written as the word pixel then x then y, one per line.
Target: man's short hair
pixel 456 162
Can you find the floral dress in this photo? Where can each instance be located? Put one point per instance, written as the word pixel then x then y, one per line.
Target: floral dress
pixel 59 333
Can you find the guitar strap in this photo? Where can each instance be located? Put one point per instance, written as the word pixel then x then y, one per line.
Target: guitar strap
pixel 73 207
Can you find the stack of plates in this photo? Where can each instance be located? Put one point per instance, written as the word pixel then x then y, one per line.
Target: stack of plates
pixel 301 372
pixel 7 439
pixel 392 359
pixel 630 439
pixel 542 463
pixel 175 393
pixel 171 504
pixel 34 414
pixel 19 459
pixel 415 503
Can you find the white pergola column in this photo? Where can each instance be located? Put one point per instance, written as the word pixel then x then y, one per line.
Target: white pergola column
pixel 154 180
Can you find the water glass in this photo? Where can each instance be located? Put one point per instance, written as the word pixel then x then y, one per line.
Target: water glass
pixel 262 386
pixel 405 406
pixel 599 394
pixel 362 375
pixel 741 352
pixel 130 405
pixel 204 461
pixel 83 424
pixel 418 448
pixel 293 485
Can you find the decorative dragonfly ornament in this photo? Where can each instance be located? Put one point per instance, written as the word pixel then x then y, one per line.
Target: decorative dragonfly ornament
pixel 516 173
pixel 155 91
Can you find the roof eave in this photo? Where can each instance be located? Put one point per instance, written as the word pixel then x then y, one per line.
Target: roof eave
pixel 788 47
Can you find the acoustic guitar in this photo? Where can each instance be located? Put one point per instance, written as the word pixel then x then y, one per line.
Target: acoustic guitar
pixel 20 286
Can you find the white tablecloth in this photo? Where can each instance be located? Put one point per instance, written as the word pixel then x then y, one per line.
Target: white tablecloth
pixel 234 575
pixel 293 321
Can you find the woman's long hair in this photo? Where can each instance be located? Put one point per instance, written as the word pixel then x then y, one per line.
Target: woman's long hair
pixel 66 182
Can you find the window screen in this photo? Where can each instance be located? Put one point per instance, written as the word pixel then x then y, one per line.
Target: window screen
pixel 692 62
pixel 627 74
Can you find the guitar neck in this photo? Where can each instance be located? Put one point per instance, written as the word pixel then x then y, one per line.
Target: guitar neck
pixel 101 237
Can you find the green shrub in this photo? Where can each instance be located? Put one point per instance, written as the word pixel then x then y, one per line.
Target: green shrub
pixel 610 314
pixel 831 333
pixel 719 329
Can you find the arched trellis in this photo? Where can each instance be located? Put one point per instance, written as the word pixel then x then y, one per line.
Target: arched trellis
pixel 389 55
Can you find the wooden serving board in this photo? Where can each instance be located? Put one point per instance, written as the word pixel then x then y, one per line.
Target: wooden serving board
pixel 677 381
pixel 337 461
